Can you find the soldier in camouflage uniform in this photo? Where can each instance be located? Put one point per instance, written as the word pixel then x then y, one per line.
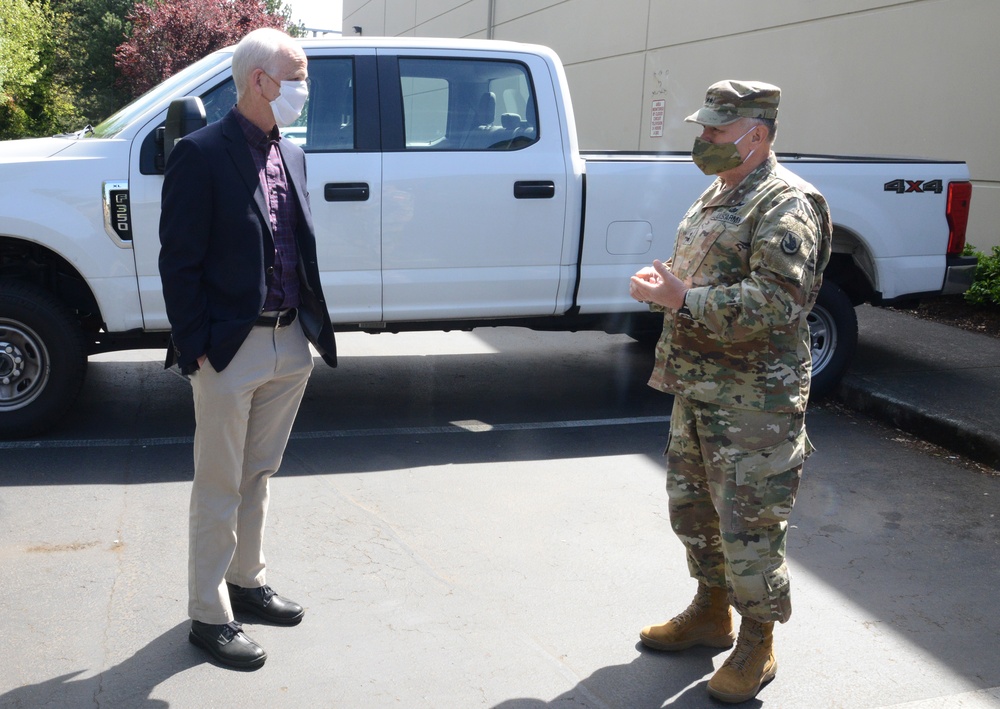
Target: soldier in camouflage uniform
pixel 735 353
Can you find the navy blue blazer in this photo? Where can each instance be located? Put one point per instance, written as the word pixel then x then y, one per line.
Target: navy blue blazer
pixel 216 246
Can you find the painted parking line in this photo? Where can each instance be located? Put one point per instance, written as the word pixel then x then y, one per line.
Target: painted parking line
pixel 453 427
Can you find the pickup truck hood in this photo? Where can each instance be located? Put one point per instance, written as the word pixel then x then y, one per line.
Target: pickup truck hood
pixel 32 148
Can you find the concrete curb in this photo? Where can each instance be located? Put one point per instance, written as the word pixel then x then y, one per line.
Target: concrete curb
pixel 960 436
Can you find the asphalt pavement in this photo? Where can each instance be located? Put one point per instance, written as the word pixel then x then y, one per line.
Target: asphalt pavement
pixel 937 382
pixel 486 526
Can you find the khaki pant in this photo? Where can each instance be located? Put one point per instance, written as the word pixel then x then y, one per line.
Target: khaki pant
pixel 244 416
pixel 732 478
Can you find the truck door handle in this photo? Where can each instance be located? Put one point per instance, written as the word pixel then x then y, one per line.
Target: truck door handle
pixel 346 192
pixel 534 189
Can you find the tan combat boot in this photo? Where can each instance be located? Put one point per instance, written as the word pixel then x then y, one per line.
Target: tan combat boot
pixel 749 667
pixel 707 621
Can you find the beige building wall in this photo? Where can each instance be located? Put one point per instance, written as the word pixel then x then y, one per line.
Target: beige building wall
pixel 918 78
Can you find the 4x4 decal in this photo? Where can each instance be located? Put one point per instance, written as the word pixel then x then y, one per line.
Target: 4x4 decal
pixel 907 186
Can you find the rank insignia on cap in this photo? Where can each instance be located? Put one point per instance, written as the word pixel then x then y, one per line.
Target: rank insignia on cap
pixel 791 243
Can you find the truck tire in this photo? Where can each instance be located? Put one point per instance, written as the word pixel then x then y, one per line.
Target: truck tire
pixel 43 360
pixel 833 333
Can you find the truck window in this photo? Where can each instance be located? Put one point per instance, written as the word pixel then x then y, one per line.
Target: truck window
pixel 219 100
pixel 464 104
pixel 327 121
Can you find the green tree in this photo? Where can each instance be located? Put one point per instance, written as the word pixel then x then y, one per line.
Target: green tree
pixel 24 29
pixel 33 100
pixel 280 9
pixel 66 63
pixel 87 34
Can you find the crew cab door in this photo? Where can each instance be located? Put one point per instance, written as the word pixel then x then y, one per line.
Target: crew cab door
pixel 340 135
pixel 339 131
pixel 474 193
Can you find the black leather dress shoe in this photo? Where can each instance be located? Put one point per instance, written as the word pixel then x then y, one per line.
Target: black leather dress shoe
pixel 228 644
pixel 265 603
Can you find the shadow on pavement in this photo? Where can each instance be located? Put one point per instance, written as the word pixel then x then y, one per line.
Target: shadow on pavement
pixel 127 684
pixel 651 680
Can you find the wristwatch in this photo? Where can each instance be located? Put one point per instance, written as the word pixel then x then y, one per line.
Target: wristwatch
pixel 684 310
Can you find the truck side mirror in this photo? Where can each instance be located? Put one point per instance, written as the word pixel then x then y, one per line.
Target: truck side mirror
pixel 185 115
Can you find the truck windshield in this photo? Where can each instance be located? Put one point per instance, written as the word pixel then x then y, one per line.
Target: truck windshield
pixel 113 125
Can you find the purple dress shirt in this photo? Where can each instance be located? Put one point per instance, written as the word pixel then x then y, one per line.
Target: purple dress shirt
pixel 282 277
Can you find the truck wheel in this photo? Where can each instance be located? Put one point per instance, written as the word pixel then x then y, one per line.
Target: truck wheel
pixel 833 332
pixel 42 360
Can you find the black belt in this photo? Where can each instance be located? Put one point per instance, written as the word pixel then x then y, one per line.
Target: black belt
pixel 276 319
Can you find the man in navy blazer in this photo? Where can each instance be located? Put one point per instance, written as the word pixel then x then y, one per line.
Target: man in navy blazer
pixel 244 300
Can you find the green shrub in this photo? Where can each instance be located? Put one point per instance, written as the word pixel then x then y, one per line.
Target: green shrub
pixel 985 288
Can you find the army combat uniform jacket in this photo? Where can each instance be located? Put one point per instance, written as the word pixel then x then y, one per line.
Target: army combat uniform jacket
pixel 753 257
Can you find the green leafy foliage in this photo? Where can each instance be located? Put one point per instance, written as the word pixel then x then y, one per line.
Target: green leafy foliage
pixel 23 30
pixel 32 98
pixel 66 63
pixel 985 289
pixel 87 32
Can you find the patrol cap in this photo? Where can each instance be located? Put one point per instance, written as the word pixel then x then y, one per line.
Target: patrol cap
pixel 728 101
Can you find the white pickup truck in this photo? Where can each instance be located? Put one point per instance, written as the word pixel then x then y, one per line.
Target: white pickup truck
pixel 448 192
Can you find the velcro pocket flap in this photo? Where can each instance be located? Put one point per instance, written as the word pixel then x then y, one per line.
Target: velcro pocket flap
pixel 763 463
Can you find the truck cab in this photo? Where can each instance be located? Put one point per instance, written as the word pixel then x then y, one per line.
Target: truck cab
pixel 445 184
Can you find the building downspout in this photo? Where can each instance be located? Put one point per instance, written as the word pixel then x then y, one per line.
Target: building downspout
pixel 491 10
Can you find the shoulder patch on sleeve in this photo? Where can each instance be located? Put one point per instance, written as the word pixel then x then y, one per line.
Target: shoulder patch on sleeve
pixel 791 243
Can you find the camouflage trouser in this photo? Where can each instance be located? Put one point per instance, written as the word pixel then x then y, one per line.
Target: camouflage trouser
pixel 732 476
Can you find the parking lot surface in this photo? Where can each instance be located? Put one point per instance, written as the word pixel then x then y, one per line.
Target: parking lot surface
pixel 478 521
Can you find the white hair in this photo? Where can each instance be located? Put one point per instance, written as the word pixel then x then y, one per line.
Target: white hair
pixel 259 49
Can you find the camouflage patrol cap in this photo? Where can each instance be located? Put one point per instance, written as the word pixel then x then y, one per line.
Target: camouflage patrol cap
pixel 728 101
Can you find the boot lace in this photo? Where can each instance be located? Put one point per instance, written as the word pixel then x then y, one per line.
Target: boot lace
pixel 748 641
pixel 699 604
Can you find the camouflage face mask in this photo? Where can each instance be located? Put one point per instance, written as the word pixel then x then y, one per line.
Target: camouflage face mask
pixel 715 158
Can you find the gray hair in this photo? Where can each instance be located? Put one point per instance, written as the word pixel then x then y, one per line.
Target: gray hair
pixel 770 123
pixel 258 50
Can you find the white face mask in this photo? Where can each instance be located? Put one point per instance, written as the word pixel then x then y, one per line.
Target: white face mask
pixel 291 100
